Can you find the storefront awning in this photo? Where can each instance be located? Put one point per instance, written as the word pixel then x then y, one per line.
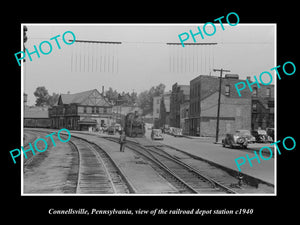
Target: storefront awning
pixel 87 121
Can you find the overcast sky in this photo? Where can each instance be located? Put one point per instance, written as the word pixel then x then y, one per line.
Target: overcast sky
pixel 143 59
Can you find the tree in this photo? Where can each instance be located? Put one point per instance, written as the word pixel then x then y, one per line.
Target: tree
pixel 145 98
pixel 42 96
pixel 112 95
pixel 144 102
pixel 134 97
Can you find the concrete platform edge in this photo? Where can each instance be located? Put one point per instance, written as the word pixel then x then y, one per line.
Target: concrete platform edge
pixel 250 179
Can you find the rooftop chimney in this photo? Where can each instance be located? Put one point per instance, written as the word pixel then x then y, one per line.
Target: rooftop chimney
pixel 103 90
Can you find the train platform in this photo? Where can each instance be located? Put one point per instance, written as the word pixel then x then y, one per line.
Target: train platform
pixel 139 174
pixel 216 154
pixel 225 157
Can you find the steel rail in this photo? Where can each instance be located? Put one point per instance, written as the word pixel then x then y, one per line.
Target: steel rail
pixel 158 162
pixel 211 180
pixel 188 167
pixel 163 166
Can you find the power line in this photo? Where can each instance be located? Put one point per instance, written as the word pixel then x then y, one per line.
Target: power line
pixel 98 42
pixel 203 43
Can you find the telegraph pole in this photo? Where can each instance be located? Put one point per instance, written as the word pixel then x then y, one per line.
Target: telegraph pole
pixel 219 100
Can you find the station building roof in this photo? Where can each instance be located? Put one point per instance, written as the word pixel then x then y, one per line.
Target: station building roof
pixel 91 97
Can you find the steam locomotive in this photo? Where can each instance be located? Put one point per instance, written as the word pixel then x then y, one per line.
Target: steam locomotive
pixel 134 125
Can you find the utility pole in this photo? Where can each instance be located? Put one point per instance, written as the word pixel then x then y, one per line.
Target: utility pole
pixel 219 101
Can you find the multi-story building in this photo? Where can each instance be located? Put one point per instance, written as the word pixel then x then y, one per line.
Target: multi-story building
pixel 262 114
pixel 164 116
pixel 156 107
pixel 235 111
pixel 81 111
pixel 184 117
pixel 180 94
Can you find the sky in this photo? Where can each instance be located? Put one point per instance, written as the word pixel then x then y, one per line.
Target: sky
pixel 143 59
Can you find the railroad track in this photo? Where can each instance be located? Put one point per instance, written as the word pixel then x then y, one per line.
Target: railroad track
pixel 93 171
pixel 97 172
pixel 184 177
pixel 214 183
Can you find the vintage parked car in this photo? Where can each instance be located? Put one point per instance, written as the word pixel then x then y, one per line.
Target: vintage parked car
pixel 118 128
pixel 177 132
pixel 235 140
pixel 270 132
pixel 261 136
pixel 247 134
pixel 156 134
pixel 111 130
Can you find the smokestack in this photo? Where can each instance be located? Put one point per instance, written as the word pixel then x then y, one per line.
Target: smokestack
pixel 103 90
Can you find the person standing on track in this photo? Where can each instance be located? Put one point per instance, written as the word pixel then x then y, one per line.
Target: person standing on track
pixel 122 141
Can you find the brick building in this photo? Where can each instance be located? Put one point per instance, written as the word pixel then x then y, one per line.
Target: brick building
pixel 164 115
pixel 81 111
pixel 262 114
pixel 235 111
pixel 180 94
pixel 184 117
pixel 156 107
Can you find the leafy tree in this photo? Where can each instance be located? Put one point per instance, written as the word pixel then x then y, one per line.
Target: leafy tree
pixel 112 95
pixel 42 95
pixel 145 98
pixel 134 97
pixel 43 98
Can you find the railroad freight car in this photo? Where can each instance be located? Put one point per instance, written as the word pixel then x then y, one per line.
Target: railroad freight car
pixel 37 122
pixel 134 125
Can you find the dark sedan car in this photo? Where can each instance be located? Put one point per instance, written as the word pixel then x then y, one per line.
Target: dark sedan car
pixel 156 134
pixel 235 140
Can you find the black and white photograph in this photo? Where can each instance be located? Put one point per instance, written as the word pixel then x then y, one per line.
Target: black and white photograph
pixel 149 109
pixel 133 112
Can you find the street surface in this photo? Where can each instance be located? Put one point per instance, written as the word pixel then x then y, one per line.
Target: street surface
pixel 206 149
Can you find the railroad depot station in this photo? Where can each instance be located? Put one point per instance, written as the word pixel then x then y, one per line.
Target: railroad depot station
pixel 88 110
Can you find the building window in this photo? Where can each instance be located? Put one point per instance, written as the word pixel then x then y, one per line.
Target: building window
pixel 227 90
pixel 254 91
pixel 104 110
pixel 268 92
pixel 97 109
pixel 84 109
pixel 89 109
pixel 93 109
pixel 254 107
